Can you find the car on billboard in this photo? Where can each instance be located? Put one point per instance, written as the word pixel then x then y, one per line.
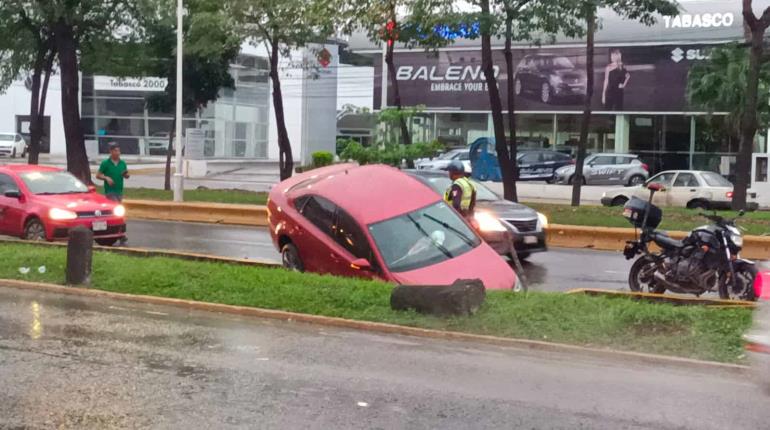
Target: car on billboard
pixel 45 203
pixel 540 165
pixel 607 169
pixel 377 222
pixel 501 223
pixel 692 189
pixel 549 77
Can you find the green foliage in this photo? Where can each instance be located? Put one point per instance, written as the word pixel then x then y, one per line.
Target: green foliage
pixel 719 85
pixel 342 144
pixel 391 154
pixel 200 195
pixel 322 158
pixel 694 332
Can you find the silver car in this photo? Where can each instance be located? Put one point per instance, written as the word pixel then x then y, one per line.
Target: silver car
pixel 607 169
pixel 442 161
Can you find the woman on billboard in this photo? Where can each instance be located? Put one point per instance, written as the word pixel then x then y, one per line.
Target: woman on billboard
pixel 616 78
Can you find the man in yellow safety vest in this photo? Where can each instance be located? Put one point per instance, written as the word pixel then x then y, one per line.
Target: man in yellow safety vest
pixel 462 194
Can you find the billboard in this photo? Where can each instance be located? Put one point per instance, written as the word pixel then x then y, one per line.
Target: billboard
pixel 631 79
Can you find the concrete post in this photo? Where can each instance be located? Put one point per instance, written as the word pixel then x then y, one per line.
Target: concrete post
pixel 622 132
pixel 79 256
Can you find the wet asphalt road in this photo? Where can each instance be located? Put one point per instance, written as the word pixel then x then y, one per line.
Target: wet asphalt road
pixel 69 362
pixel 556 270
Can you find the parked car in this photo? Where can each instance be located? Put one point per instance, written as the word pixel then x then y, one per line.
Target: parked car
pixel 12 145
pixel 692 189
pixel 442 161
pixel 45 203
pixel 607 169
pixel 377 222
pixel 501 223
pixel 540 165
pixel 548 77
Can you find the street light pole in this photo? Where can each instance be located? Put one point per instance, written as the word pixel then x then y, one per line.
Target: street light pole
pixel 178 178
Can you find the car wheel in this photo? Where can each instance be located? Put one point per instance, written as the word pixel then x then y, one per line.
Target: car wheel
pixel 517 87
pixel 545 93
pixel 619 201
pixel 34 230
pixel 635 180
pixel 106 241
pixel 290 258
pixel 13 153
pixel 698 205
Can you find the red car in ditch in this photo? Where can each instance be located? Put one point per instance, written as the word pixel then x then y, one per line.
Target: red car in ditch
pixel 44 203
pixel 377 222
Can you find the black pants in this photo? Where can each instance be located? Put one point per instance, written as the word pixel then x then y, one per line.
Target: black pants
pixel 614 100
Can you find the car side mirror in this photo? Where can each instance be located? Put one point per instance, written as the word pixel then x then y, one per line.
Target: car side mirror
pixel 92 188
pixel 656 186
pixel 361 264
pixel 13 194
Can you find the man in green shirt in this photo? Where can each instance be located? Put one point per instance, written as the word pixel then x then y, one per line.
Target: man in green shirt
pixel 113 171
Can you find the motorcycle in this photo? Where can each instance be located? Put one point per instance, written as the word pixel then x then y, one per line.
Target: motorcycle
pixel 706 260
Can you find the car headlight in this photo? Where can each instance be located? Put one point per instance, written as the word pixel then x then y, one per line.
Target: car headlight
pixel 543 220
pixel 488 222
pixel 119 210
pixel 61 214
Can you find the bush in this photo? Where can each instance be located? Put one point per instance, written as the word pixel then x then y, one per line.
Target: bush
pixel 342 144
pixel 390 154
pixel 322 158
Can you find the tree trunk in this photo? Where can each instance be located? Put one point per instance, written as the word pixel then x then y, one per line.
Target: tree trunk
pixel 749 122
pixel 34 126
pixel 586 121
pixel 511 108
pixel 496 106
pixel 167 174
pixel 66 46
pixel 406 138
pixel 286 160
pixel 37 122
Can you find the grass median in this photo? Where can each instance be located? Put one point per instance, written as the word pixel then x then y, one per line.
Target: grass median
pixel 208 196
pixel 618 323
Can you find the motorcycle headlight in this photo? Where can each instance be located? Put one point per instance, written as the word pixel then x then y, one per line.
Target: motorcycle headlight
pixel 488 222
pixel 543 220
pixel 737 240
pixel 61 214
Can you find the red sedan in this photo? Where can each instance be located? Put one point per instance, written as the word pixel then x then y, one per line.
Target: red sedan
pixel 378 222
pixel 44 203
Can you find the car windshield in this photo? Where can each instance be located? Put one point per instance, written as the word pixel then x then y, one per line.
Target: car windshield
pixel 423 237
pixel 715 180
pixel 448 155
pixel 7 137
pixel 53 183
pixel 561 63
pixel 442 183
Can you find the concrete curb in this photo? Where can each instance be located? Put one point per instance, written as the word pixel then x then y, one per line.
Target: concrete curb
pixel 213 213
pixel 614 239
pixel 667 298
pixel 384 328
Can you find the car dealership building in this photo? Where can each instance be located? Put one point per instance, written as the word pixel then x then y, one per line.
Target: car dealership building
pixel 649 115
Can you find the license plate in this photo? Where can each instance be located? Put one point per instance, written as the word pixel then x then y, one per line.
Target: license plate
pixel 99 225
pixel 530 240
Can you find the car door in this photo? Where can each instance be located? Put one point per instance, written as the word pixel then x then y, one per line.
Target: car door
pixel 528 164
pixel 665 179
pixel 351 237
pixel 315 242
pixel 684 189
pixel 600 169
pixel 11 209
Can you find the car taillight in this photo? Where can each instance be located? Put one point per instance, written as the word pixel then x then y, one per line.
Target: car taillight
pixel 729 194
pixel 645 167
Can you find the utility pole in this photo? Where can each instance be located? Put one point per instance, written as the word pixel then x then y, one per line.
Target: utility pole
pixel 178 177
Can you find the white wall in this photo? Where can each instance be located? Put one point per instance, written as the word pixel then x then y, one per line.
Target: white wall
pixel 355 86
pixel 16 101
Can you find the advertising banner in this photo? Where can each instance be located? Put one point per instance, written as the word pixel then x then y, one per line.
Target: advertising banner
pixel 109 83
pixel 632 79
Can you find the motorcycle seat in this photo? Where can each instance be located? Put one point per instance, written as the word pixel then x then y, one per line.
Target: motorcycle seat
pixel 664 241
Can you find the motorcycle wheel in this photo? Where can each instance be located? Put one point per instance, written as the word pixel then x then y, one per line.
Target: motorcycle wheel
pixel 640 277
pixel 744 289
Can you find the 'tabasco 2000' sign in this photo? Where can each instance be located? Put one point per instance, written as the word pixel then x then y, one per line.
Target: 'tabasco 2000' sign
pixel 634 78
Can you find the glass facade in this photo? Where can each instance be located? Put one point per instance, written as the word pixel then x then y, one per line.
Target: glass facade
pixel 236 124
